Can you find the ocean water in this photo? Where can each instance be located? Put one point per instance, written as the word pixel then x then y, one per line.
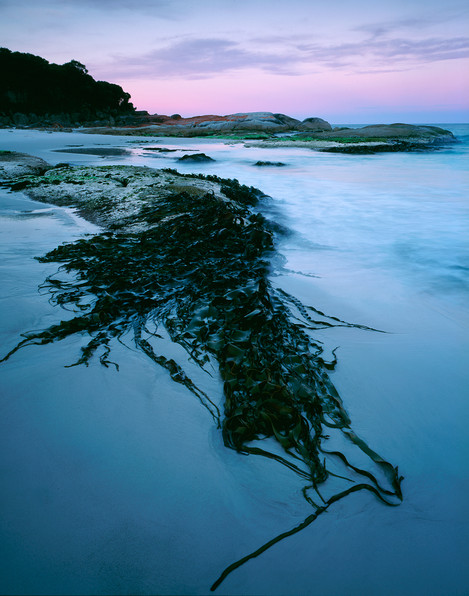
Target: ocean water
pixel 118 482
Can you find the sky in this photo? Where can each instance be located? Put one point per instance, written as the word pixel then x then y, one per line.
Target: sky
pixel 360 61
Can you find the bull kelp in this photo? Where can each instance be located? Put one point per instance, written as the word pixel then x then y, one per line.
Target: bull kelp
pixel 194 262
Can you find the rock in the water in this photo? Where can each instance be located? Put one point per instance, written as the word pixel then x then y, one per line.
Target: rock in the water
pixel 102 151
pixel 160 149
pixel 386 147
pixel 197 157
pixel 14 164
pixel 426 134
pixel 270 163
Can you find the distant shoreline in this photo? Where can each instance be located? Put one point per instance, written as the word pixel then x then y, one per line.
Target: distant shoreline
pixel 356 144
pixel 268 130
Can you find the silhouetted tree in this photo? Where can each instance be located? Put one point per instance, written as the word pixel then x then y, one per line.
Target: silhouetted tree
pixel 30 84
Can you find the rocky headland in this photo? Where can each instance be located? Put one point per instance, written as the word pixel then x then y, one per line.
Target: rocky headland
pixel 37 94
pixel 15 165
pixel 266 129
pixel 257 125
pixel 383 137
pixel 113 197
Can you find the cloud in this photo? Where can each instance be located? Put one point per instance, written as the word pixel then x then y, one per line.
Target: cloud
pixel 201 58
pixel 158 7
pixel 426 19
pixel 154 6
pixel 383 28
pixel 386 52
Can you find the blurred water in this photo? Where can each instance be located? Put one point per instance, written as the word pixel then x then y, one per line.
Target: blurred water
pixel 118 483
pixel 405 215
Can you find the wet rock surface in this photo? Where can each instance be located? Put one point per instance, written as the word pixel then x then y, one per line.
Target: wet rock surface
pixel 265 129
pixel 14 164
pixel 102 151
pixel 196 157
pixel 241 123
pixel 277 164
pixel 394 131
pixel 316 124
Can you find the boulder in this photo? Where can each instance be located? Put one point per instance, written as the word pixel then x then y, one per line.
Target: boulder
pixel 315 125
pixel 101 151
pixel 277 164
pixel 263 121
pixel 13 165
pixel 240 122
pixel 196 157
pixel 427 134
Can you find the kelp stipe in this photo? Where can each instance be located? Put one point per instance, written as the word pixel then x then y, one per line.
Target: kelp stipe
pixel 200 269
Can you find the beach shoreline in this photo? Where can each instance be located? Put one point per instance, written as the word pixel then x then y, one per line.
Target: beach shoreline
pixel 265 129
pixel 401 388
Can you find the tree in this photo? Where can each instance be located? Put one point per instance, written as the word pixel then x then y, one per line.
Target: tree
pixel 30 84
pixel 78 65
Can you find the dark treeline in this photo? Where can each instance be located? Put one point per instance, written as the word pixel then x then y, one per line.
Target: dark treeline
pixel 32 87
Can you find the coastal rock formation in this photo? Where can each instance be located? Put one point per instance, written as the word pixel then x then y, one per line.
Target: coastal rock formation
pixel 263 129
pixel 253 121
pixel 368 139
pixel 14 164
pixel 101 151
pixel 110 196
pixel 196 157
pixel 316 125
pixel 277 164
pixel 242 123
pixel 396 131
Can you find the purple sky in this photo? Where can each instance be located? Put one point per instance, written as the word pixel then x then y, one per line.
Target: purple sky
pixel 348 62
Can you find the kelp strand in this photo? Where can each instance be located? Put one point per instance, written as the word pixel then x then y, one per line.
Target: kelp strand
pixel 200 271
pixel 304 524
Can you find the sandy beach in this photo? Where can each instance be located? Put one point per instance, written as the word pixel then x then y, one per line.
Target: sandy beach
pixel 126 473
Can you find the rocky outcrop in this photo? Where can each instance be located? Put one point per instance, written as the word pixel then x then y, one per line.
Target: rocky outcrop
pixel 371 148
pixel 175 125
pixel 277 164
pixel 196 157
pixel 243 123
pixel 312 132
pixel 267 125
pixel 396 131
pixel 14 165
pixel 115 197
pixel 368 139
pixel 101 151
pixel 315 125
pixel 69 120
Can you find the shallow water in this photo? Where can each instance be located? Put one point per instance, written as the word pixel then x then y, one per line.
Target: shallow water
pixel 106 491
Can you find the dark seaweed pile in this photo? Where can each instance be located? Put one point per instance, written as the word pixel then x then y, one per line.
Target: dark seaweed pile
pixel 200 270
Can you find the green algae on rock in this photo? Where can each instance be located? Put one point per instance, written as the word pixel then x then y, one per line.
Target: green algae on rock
pixel 187 255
